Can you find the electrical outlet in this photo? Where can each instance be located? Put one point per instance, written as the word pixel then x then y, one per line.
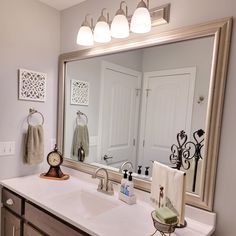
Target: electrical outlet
pixel 7 148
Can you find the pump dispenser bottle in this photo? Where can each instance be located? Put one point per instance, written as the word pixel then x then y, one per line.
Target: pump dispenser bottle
pixel 124 182
pixel 127 189
pixel 139 170
pixel 147 171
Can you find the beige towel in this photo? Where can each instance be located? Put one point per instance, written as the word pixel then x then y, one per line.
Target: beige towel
pixel 173 182
pixel 81 137
pixel 34 150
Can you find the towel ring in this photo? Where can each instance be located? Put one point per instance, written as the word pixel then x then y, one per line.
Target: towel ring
pixel 79 113
pixel 33 111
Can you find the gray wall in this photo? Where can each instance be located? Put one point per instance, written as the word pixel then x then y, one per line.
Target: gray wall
pixel 183 13
pixel 29 39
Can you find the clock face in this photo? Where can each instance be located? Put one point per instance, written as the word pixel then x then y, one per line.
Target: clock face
pixel 54 159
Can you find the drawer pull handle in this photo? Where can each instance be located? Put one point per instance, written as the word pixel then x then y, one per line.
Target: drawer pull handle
pixel 9 202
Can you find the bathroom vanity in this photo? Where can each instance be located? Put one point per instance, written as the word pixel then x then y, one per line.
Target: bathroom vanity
pixel 33 206
pixel 19 214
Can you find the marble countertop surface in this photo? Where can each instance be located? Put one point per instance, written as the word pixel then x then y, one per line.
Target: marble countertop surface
pixel 78 202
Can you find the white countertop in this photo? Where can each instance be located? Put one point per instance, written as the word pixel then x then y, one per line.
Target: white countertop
pixel 77 201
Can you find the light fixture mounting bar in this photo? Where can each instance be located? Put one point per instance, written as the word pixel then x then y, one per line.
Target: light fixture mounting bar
pixel 159 15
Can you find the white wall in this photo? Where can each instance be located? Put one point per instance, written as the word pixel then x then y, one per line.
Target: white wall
pixel 29 39
pixel 185 12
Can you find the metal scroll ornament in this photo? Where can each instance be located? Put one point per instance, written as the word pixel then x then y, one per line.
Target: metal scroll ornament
pixel 184 151
pixel 199 139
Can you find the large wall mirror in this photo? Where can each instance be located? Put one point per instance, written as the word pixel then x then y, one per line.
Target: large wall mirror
pixel 126 102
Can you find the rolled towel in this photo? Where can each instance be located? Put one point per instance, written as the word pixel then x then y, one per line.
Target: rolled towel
pixel 34 150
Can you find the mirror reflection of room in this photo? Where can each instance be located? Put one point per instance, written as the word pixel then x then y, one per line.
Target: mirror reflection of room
pixel 130 106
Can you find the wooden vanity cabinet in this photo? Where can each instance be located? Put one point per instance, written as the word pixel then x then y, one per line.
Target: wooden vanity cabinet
pixel 48 223
pixel 11 224
pixel 23 218
pixel 12 211
pixel 30 231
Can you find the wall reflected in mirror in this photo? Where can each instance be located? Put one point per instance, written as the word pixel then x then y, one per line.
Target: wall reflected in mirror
pixel 133 104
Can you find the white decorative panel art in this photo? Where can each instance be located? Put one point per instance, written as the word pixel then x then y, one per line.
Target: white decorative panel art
pixel 32 85
pixel 79 92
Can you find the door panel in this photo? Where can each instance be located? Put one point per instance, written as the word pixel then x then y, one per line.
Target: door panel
pixel 120 107
pixel 169 104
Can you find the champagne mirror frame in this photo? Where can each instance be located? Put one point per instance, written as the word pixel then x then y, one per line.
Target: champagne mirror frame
pixel 221 31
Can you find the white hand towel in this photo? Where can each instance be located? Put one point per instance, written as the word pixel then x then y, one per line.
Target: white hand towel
pixel 34 150
pixel 173 182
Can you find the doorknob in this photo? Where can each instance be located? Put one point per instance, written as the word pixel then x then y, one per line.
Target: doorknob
pixel 105 157
pixel 9 202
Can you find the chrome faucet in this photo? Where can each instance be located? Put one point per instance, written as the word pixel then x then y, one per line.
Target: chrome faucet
pixel 105 185
pixel 124 164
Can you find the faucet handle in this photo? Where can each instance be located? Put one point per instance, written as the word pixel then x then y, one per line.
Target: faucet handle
pixel 110 189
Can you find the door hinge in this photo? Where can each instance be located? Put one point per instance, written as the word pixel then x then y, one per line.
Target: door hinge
pixel 134 142
pixel 143 142
pixel 137 91
pixel 147 92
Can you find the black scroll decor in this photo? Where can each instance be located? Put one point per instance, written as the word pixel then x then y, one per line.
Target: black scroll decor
pixel 184 151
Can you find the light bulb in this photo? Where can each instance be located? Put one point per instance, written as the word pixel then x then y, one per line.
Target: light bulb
pixel 102 32
pixel 85 36
pixel 120 24
pixel 141 20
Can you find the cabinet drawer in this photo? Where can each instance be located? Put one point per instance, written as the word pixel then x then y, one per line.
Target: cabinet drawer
pixel 30 231
pixel 12 201
pixel 48 223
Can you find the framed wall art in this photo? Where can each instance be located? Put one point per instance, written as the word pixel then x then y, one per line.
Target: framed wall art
pixel 32 85
pixel 79 92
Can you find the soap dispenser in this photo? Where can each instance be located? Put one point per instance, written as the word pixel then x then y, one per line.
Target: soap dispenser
pixel 147 171
pixel 129 188
pixel 124 182
pixel 139 170
pixel 127 195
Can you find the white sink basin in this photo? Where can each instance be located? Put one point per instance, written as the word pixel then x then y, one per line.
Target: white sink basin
pixel 86 203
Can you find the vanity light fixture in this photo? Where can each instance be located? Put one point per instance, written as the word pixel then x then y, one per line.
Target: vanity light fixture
pixel 85 33
pixel 102 33
pixel 120 24
pixel 141 19
pixel 120 27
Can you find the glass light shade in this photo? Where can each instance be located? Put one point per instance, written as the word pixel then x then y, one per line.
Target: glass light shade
pixel 141 21
pixel 102 32
pixel 85 36
pixel 120 27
